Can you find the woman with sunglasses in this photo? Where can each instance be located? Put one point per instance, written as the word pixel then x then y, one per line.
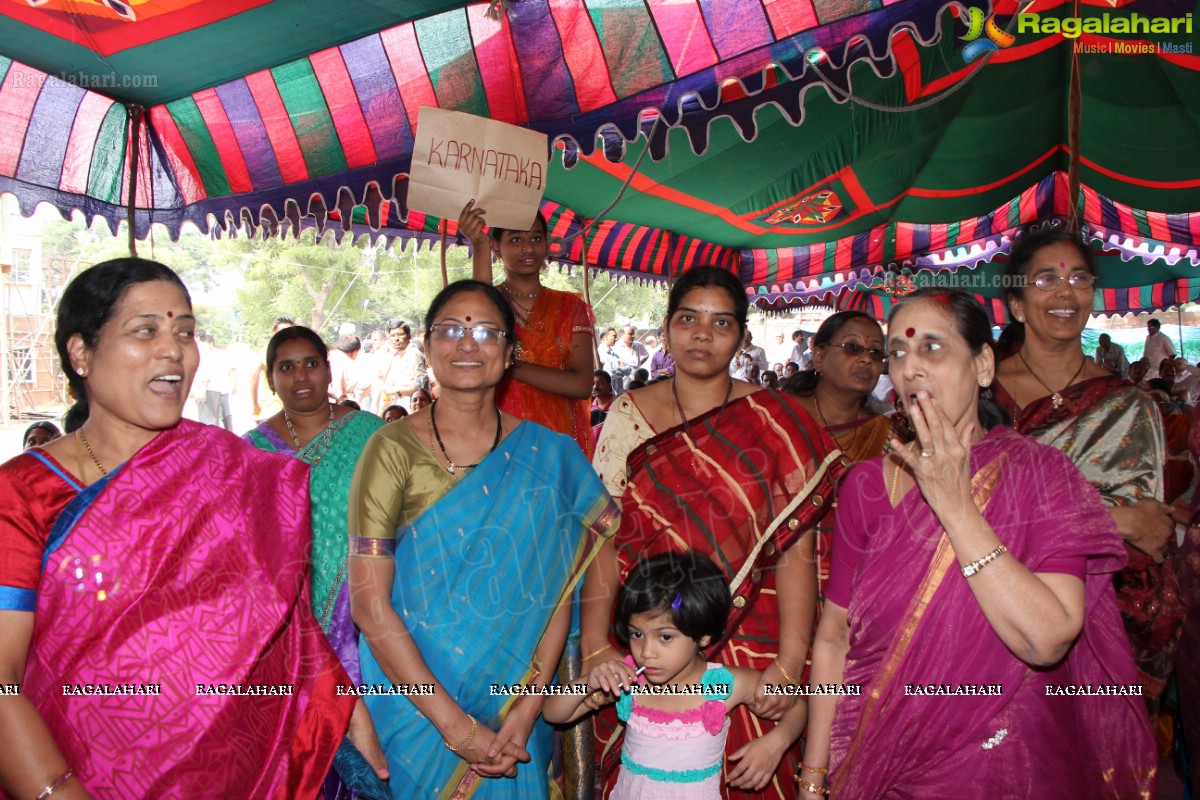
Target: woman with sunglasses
pixel 848 357
pixel 469 530
pixel 1109 428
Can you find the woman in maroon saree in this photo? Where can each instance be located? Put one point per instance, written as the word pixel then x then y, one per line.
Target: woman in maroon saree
pixel 708 463
pixel 1001 643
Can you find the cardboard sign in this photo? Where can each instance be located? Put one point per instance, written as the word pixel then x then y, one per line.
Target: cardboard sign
pixel 458 156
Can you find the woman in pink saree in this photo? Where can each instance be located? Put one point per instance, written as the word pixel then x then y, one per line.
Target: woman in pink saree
pixel 971 600
pixel 154 603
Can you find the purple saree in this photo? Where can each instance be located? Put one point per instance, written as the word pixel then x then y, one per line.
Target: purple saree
pixel 920 646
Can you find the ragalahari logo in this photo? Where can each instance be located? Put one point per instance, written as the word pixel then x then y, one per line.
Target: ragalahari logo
pixel 979 25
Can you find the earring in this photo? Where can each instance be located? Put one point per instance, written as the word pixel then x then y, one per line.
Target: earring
pixel 1020 318
pixel 82 372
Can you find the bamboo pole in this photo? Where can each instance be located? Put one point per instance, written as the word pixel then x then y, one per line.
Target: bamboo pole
pixel 135 118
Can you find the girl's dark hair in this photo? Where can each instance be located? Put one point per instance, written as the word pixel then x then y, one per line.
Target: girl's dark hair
pixel 716 278
pixel 973 325
pixel 1021 257
pixel 507 318
pixel 87 305
pixel 688 586
pixel 496 233
pixel 805 382
pixel 287 335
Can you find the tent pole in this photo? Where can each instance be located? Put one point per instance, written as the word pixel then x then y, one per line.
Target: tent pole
pixel 135 114
pixel 587 294
pixel 445 278
pixel 1074 113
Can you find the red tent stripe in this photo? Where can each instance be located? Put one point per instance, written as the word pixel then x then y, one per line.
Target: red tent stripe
pixel 1158 225
pixel 18 94
pixel 77 161
pixel 342 100
pixel 685 35
pixel 1125 215
pixel 408 69
pixel 495 57
pixel 278 125
pixel 1091 206
pixel 904 236
pixel 191 186
pixel 583 54
pixel 1028 207
pixel 1157 294
pixel 217 122
pixel 791 17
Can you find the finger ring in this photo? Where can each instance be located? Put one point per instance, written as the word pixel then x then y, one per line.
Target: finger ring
pixel 926 453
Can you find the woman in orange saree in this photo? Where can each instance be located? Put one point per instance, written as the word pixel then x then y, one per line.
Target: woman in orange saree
pixel 739 473
pixel 551 380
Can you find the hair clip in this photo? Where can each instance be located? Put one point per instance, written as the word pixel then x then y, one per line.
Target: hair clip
pixel 677 602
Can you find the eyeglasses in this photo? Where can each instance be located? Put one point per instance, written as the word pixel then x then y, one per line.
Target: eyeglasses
pixel 455 333
pixel 1049 281
pixel 855 350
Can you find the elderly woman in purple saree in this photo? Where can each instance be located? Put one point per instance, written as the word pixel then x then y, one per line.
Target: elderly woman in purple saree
pixel 971 600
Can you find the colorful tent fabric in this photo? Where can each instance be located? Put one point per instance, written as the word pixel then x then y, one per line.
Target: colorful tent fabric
pixel 809 145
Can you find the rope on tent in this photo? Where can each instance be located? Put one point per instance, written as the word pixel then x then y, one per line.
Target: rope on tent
pixel 1074 114
pixel 135 125
pixel 442 229
pixel 846 94
pixel 587 298
pixel 637 165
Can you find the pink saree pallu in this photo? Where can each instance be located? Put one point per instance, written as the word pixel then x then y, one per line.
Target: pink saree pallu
pixel 946 710
pixel 174 653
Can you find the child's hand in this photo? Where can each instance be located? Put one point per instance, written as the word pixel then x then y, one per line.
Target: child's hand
pixel 756 763
pixel 612 677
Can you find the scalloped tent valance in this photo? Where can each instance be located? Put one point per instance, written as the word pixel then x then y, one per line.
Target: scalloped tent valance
pixel 808 145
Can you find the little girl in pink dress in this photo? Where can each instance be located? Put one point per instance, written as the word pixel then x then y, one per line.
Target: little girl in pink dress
pixel 674 703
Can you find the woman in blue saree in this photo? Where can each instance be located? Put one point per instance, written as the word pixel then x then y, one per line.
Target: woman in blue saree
pixel 470 530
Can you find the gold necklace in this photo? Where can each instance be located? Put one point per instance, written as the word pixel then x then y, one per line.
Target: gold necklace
pixel 514 293
pixel 1056 398
pixel 79 437
pixel 895 481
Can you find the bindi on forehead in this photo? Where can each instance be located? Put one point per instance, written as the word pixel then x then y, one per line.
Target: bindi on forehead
pixel 170 314
pixel 468 319
pixel 910 332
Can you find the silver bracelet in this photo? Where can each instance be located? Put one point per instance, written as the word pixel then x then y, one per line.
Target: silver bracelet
pixel 58 782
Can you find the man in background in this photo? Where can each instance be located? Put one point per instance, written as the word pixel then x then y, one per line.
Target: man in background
pixel 1158 346
pixel 1111 356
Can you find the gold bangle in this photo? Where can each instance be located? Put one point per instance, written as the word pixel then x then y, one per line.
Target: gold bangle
pixel 783 672
pixel 806 786
pixel 975 566
pixel 815 770
pixel 467 742
pixel 58 782
pixel 598 652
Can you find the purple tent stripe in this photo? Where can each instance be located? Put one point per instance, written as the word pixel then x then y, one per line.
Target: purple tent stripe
pixel 371 72
pixel 251 134
pixel 46 138
pixel 549 89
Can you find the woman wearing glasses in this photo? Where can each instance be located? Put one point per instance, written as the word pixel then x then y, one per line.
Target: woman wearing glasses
pixel 469 530
pixel 848 356
pixel 1109 428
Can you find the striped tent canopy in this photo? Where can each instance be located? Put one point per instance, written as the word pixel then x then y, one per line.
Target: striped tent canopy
pixel 812 146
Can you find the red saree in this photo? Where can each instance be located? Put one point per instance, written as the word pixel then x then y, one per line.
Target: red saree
pixel 946 710
pixel 741 493
pixel 204 543
pixel 546 339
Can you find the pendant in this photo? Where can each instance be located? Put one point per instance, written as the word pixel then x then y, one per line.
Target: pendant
pixel 1056 400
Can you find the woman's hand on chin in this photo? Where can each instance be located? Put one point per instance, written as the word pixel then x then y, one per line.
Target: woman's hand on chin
pixel 1147 525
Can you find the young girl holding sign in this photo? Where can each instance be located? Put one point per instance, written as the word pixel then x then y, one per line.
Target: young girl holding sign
pixel 669 608
pixel 551 378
